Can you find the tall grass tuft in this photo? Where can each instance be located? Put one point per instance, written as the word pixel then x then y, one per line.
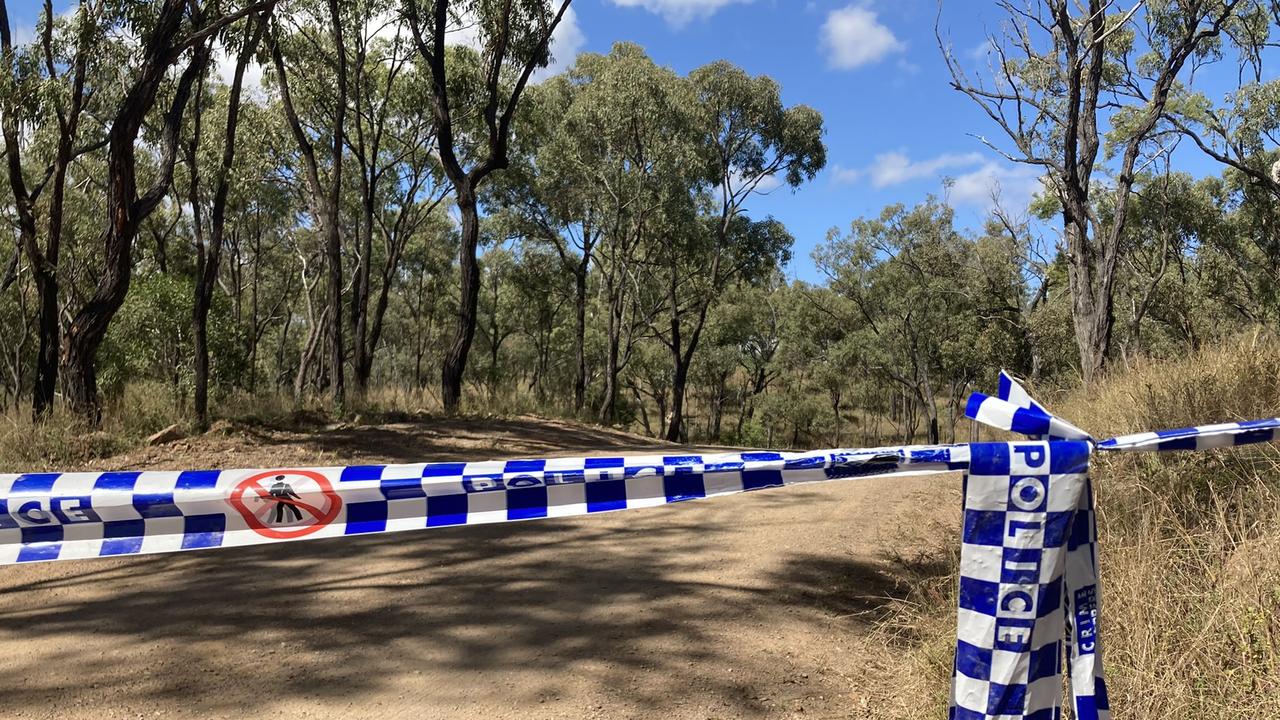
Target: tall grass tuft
pixel 64 440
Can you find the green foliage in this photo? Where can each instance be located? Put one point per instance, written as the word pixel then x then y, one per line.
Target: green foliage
pixel 151 339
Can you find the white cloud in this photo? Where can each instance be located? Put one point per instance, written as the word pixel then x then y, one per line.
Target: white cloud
pixel 982 50
pixel 852 37
pixel 566 43
pixel 224 61
pixel 895 168
pixel 978 181
pixel 23 35
pixel 1010 186
pixel 842 175
pixel 679 12
pixel 764 186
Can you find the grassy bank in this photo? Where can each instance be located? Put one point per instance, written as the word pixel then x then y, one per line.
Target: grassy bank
pixel 66 441
pixel 1190 552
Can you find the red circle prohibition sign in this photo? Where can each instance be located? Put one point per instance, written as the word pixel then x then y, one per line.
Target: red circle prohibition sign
pixel 265 496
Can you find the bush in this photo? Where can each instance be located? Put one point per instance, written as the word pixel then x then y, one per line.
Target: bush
pixel 151 339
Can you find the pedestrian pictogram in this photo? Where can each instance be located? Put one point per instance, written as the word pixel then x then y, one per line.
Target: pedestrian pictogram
pixel 285 504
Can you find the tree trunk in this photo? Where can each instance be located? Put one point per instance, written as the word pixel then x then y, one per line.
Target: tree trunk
pixel 679 382
pixel 361 353
pixel 209 258
pixel 580 337
pixel 125 209
pixel 200 341
pixel 608 406
pixel 50 337
pixel 333 240
pixel 1091 304
pixel 455 360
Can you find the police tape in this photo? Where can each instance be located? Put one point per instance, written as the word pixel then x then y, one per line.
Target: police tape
pixel 63 516
pixel 1028 587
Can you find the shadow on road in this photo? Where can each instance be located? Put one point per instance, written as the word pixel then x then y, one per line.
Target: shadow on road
pixel 606 602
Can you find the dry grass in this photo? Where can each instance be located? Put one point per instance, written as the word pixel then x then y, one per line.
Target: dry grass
pixel 1190 553
pixel 65 441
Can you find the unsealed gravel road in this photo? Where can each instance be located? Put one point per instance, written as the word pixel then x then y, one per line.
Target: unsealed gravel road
pixel 749 606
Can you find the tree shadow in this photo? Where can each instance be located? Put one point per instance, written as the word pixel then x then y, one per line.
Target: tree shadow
pixel 621 604
pixel 335 619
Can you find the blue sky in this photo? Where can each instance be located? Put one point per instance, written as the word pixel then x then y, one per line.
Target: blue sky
pixel 894 126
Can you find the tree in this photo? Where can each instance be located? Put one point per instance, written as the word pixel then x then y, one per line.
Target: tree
pixel 175 28
pixel 917 289
pixel 1240 133
pixel 750 142
pixel 630 133
pixel 552 196
pixel 67 103
pixel 209 250
pixel 695 265
pixel 1058 71
pixel 400 184
pixel 514 36
pixel 325 199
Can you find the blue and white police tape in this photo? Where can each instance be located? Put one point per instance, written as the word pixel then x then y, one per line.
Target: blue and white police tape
pixel 1027 579
pixel 1015 411
pixel 1028 565
pixel 62 516
pixel 1029 558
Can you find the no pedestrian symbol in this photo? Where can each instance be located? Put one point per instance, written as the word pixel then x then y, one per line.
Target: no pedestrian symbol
pixel 285 504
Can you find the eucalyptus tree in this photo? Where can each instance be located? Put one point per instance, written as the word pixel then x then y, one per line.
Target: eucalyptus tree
pixel 1241 260
pixel 209 248
pixel 631 133
pixel 552 195
pixel 1059 71
pixel 751 318
pixel 694 265
pixel 401 183
pixel 259 270
pixel 324 90
pixel 907 276
pixel 538 280
pixel 48 79
pixel 165 32
pixel 1241 131
pixel 750 142
pixel 423 305
pixel 513 37
pixel 498 307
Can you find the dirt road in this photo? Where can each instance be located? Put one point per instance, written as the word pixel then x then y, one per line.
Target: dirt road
pixel 749 606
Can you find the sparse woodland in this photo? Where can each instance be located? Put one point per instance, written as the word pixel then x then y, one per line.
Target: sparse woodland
pixel 294 207
pixel 382 204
